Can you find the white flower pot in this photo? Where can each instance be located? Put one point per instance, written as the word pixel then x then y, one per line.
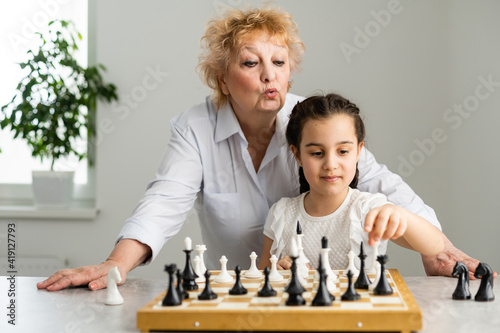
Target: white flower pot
pixel 52 189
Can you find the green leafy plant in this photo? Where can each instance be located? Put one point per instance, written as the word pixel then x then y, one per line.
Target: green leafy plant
pixel 56 101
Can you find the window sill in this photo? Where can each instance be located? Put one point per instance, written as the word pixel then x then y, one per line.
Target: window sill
pixel 79 210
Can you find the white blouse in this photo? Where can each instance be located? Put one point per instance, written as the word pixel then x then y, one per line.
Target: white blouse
pixel 343 228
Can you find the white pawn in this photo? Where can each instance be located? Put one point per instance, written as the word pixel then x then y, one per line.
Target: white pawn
pixel 373 266
pixel 113 296
pixel 197 270
pixel 201 249
pixel 352 266
pixel 274 275
pixel 223 276
pixel 378 267
pixel 253 272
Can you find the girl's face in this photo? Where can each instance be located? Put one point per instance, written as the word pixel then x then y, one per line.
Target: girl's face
pixel 328 153
pixel 257 77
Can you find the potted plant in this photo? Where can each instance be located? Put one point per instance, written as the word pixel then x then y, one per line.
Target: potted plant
pixel 54 105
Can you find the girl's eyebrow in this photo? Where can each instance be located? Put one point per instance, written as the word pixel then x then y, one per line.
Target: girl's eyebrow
pixel 343 142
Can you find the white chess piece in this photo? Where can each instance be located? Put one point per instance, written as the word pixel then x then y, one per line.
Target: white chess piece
pixel 113 296
pixel 201 249
pixel 302 269
pixel 373 266
pixel 274 275
pixel 223 276
pixel 253 272
pixel 378 267
pixel 197 270
pixel 326 265
pixel 352 267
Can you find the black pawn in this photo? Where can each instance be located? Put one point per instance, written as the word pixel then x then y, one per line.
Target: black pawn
pixel 383 287
pixel 238 288
pixel 180 289
pixel 363 281
pixel 323 296
pixel 267 290
pixel 172 297
pixel 350 294
pixel 189 276
pixel 294 288
pixel 485 291
pixel 207 293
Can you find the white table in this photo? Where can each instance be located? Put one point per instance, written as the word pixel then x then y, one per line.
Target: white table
pixel 78 310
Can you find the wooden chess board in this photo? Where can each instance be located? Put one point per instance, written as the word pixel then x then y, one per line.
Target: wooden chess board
pixel 398 312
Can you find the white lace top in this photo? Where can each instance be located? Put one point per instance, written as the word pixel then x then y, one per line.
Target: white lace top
pixel 343 228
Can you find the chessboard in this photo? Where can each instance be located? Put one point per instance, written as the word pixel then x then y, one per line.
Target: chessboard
pixel 398 312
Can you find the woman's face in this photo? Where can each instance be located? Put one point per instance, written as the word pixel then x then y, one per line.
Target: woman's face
pixel 257 77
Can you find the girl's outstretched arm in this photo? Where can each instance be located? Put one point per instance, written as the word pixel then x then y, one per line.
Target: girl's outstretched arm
pixel 404 228
pixel 266 253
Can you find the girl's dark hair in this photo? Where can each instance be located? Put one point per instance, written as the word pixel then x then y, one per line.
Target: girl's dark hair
pixel 321 107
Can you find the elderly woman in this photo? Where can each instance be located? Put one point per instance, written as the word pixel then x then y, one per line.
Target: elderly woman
pixel 230 154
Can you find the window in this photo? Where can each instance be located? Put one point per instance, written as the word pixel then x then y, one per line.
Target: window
pixel 19 20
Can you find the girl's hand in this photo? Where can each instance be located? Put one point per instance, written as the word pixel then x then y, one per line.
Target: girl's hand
pixel 385 222
pixel 284 263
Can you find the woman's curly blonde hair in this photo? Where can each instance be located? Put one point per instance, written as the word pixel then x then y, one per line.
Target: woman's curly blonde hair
pixel 224 37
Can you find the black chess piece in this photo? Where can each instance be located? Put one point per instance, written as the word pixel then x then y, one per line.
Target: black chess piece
pixel 462 290
pixel 363 282
pixel 180 289
pixel 294 288
pixel 383 287
pixel 207 293
pixel 188 275
pixel 267 290
pixel 350 294
pixel 323 296
pixel 172 297
pixel 238 288
pixel 299 228
pixel 485 291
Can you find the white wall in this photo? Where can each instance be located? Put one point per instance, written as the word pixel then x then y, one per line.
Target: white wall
pixel 412 70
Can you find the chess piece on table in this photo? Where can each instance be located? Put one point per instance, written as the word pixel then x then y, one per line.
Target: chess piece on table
pixel 350 293
pixel 253 272
pixel 113 296
pixel 373 266
pixel 294 288
pixel 224 276
pixel 275 276
pixel 352 266
pixel 180 289
pixel 302 261
pixel 325 261
pixel 377 276
pixel 172 298
pixel 485 291
pixel 188 275
pixel 238 288
pixel 382 287
pixel 363 282
pixel 323 296
pixel 197 270
pixel 462 290
pixel 207 293
pixel 267 290
pixel 200 249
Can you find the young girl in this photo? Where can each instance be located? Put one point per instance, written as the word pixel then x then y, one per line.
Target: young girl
pixel 326 134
